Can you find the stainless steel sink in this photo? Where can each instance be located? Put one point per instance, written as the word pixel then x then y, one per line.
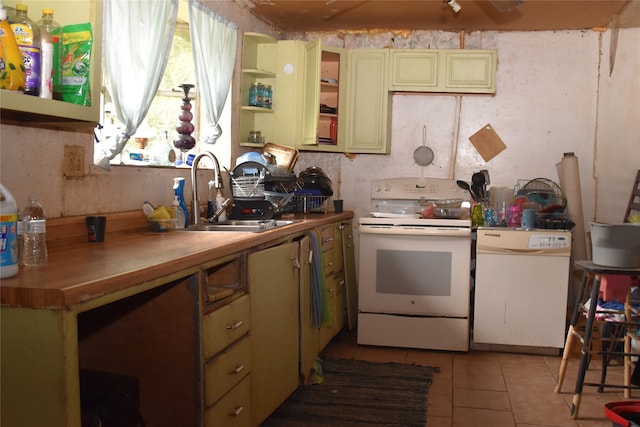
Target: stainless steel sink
pixel 247 226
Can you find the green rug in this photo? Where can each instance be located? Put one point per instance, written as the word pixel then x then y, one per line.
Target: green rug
pixel 359 393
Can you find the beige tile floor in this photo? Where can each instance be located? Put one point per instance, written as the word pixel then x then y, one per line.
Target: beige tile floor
pixel 489 389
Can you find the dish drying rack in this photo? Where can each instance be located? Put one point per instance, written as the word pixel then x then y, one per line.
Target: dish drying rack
pixel 310 203
pixel 278 199
pixel 247 187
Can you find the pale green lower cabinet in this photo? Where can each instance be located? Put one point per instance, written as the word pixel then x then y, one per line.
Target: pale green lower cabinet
pixel 221 345
pixel 273 285
pixel 232 409
pixel 228 364
pixel 309 335
pixel 313 340
pixel 350 281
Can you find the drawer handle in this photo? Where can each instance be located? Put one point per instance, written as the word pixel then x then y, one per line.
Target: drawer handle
pixel 330 264
pixel 235 325
pixel 236 411
pixel 327 240
pixel 236 370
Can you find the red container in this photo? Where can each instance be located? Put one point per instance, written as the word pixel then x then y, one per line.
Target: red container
pixel 623 414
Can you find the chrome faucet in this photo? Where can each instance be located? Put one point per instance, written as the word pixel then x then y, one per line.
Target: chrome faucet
pixel 217 181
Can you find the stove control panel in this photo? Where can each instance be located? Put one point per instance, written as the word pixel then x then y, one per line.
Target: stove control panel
pixel 429 188
pixel 417 188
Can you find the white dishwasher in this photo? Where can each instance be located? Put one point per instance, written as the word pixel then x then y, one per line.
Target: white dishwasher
pixel 521 286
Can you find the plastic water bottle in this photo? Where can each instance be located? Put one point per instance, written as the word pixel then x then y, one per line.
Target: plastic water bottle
pixel 34 250
pixel 46 65
pixel 8 234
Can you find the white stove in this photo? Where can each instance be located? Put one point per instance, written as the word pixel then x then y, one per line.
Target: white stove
pixel 414 272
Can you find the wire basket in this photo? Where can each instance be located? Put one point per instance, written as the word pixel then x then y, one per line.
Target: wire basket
pixel 247 187
pixel 278 199
pixel 306 203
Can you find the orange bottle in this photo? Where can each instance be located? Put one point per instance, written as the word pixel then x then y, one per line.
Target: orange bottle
pixel 12 76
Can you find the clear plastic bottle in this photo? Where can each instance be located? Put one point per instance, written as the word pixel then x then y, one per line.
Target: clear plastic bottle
pixel 34 250
pixel 46 65
pixel 27 35
pixel 181 218
pixel 8 234
pixel 219 202
pixel 55 30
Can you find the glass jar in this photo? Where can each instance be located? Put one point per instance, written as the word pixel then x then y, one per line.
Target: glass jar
pixel 267 96
pixel 477 215
pixel 260 95
pixel 255 137
pixel 490 218
pixel 253 95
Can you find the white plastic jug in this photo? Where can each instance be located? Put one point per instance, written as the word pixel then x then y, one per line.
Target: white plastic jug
pixel 8 234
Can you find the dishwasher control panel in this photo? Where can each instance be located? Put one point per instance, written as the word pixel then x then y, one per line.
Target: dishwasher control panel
pixel 548 241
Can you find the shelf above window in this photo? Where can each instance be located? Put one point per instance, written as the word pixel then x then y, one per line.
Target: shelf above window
pixel 255 73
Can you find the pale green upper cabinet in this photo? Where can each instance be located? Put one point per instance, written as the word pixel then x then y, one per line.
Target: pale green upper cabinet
pixel 358 83
pixel 258 65
pixel 288 93
pixel 36 111
pixel 470 71
pixel 324 84
pixel 443 70
pixel 311 99
pixel 413 71
pixel 368 98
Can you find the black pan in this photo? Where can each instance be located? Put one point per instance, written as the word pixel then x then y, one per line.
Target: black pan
pixel 316 182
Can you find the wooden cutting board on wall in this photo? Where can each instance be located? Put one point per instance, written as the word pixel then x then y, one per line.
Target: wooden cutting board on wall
pixel 487 142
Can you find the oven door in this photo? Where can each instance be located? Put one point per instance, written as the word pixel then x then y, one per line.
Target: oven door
pixel 408 274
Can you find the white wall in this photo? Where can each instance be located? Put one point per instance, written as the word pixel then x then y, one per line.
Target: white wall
pixel 616 146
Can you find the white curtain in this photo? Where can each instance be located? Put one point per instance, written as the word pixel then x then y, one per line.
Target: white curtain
pixel 137 42
pixel 214 41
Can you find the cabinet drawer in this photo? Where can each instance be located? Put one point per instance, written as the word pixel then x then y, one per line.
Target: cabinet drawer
pixel 234 409
pixel 329 262
pixel 225 325
pixel 227 369
pixel 327 237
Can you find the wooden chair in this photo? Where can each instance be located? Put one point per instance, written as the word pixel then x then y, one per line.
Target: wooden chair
pixel 634 199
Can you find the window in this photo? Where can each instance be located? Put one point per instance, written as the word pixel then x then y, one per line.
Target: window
pixel 152 144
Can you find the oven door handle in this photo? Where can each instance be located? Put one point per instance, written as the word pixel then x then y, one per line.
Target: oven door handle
pixel 416 230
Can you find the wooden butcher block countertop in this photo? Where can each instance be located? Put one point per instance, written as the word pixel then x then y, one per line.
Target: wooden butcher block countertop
pixel 82 275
